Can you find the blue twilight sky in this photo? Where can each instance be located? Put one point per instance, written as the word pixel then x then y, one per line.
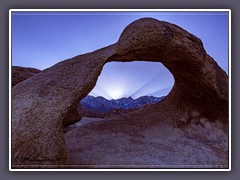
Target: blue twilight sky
pixel 41 39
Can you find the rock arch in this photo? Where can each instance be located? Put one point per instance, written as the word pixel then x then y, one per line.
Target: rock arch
pixel 40 103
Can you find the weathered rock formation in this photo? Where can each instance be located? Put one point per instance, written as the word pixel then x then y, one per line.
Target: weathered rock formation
pixel 199 95
pixel 117 143
pixel 73 116
pixel 20 74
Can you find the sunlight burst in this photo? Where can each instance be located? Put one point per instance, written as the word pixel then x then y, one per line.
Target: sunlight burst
pixel 133 79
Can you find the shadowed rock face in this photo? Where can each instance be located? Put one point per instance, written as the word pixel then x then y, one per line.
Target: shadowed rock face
pixel 20 74
pixel 40 104
pixel 73 116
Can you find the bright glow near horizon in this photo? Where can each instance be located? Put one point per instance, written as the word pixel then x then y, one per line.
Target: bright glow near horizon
pixel 133 79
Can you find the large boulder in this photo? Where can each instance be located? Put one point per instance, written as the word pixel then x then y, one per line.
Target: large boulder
pixel 20 74
pixel 199 95
pixel 124 143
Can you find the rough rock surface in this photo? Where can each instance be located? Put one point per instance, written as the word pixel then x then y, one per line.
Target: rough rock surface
pixel 199 95
pixel 73 116
pixel 20 74
pixel 118 144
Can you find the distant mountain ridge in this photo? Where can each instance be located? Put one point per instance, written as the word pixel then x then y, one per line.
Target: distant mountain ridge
pixel 103 105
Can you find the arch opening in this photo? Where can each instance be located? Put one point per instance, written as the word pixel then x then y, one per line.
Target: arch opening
pixel 133 79
pixel 126 86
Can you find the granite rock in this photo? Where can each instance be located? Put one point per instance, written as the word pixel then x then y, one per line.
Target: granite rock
pixel 20 74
